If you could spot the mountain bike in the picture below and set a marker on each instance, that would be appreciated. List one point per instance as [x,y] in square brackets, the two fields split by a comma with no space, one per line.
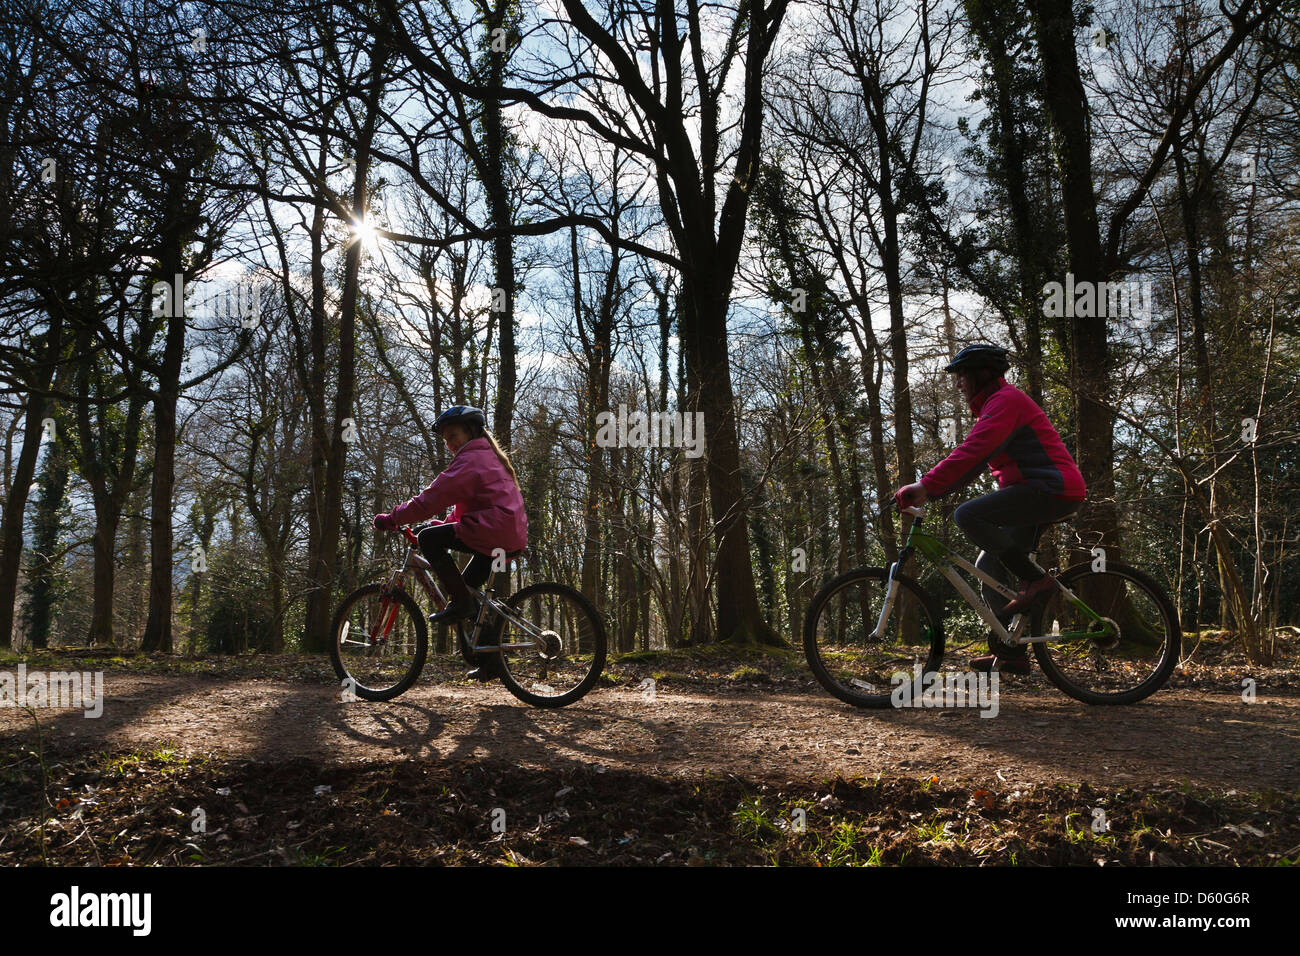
[1109,635]
[549,638]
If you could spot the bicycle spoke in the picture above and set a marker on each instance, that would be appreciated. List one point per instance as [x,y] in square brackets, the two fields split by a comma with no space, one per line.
[1119,659]
[855,654]
[552,645]
[378,642]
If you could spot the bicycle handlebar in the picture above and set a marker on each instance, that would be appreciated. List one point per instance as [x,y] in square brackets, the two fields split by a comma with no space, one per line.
[406,532]
[914,510]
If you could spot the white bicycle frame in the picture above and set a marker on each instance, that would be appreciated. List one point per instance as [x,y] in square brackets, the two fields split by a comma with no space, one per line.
[947,566]
[424,574]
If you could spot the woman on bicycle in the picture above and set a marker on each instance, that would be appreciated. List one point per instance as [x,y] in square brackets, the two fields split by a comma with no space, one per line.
[1038,482]
[481,487]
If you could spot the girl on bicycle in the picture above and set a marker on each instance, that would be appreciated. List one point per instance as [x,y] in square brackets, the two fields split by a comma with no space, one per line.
[482,489]
[1038,481]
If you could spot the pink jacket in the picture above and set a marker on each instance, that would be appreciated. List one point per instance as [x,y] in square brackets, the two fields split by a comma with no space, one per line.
[1017,442]
[487,501]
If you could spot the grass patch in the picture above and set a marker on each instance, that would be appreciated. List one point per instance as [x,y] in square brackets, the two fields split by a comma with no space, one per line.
[166,758]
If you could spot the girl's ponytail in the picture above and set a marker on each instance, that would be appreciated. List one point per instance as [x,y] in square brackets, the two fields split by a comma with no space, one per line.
[505,459]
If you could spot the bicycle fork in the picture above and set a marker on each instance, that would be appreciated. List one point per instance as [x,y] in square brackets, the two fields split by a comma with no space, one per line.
[887,608]
[387,610]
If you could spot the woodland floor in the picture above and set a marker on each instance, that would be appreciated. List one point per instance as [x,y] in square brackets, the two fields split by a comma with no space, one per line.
[739,758]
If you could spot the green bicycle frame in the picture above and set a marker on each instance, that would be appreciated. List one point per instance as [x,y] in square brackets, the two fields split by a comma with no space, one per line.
[947,562]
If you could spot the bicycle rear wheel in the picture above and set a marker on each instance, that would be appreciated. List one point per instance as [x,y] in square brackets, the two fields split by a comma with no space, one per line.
[848,660]
[1125,666]
[556,651]
[378,642]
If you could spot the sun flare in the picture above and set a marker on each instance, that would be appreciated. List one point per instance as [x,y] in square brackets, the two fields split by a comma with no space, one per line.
[363,231]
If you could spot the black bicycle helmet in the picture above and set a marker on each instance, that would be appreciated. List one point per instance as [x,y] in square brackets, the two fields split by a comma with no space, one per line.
[460,415]
[980,355]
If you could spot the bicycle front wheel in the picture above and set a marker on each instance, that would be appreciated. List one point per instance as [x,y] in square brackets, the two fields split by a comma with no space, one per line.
[1130,653]
[553,649]
[378,642]
[854,659]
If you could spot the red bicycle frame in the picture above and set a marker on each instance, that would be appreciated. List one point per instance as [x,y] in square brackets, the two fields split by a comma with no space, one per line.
[387,607]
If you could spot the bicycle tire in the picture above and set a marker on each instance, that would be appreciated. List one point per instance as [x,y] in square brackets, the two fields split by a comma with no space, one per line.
[821,601]
[412,673]
[1170,652]
[596,635]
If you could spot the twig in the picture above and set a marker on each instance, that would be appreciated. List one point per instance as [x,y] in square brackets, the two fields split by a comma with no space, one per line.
[45,780]
[85,832]
[245,859]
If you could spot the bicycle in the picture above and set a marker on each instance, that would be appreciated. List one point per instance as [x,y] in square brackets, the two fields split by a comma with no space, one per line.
[1110,635]
[550,638]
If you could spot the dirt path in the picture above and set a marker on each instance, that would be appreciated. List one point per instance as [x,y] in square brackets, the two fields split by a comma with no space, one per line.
[774,733]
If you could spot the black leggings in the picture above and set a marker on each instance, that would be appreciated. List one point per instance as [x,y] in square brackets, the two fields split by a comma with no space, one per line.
[1006,525]
[436,541]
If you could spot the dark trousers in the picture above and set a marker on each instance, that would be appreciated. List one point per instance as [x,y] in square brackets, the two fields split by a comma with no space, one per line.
[1006,525]
[436,542]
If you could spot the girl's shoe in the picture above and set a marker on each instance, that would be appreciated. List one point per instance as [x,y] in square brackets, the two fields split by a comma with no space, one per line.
[1031,592]
[458,609]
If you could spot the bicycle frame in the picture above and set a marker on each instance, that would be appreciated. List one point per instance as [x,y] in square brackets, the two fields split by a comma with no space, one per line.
[419,567]
[947,562]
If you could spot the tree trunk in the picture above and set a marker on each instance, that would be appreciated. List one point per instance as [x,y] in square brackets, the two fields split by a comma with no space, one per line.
[158,627]
[275,640]
[319,564]
[203,520]
[135,563]
[110,477]
[740,619]
[597,347]
[1090,366]
[11,542]
[329,451]
[44,573]
[496,185]
[678,584]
